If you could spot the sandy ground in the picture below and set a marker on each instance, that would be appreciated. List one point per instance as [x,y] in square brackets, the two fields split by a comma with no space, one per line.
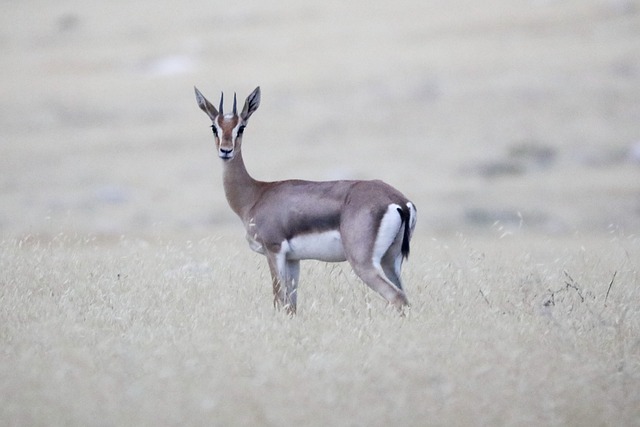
[525,113]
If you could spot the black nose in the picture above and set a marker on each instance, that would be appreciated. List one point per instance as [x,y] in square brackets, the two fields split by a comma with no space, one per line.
[225,154]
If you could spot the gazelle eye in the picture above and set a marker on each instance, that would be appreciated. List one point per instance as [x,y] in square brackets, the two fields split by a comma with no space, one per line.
[214,129]
[241,129]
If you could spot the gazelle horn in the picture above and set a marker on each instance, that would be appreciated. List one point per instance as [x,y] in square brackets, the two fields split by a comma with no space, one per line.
[235,105]
[221,103]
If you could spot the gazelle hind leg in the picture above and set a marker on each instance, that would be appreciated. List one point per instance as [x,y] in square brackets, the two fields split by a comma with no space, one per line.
[391,262]
[374,278]
[373,259]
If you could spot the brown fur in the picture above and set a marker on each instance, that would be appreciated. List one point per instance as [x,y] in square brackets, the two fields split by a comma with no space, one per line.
[275,212]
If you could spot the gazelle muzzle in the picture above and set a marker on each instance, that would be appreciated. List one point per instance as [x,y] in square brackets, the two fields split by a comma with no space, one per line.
[225,154]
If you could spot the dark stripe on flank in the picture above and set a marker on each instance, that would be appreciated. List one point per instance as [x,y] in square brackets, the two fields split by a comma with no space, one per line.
[316,225]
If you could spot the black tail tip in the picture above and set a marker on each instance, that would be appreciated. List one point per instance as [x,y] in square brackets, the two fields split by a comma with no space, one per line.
[406,217]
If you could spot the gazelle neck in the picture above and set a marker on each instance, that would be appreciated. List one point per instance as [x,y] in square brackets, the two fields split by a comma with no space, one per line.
[240,188]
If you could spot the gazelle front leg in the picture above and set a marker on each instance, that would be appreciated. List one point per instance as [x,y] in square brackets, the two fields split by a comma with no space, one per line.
[284,276]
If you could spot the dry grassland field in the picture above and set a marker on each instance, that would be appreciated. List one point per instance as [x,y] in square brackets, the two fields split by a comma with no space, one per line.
[128,294]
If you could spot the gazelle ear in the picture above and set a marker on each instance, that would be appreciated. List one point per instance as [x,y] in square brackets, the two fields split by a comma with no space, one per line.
[251,104]
[206,105]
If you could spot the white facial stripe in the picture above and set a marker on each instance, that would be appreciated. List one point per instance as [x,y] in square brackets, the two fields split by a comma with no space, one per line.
[227,145]
[217,128]
[389,227]
[234,132]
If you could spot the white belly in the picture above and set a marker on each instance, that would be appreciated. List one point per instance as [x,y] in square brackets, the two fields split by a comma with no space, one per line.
[325,246]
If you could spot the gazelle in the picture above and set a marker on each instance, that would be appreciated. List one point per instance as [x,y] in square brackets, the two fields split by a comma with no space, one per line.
[368,223]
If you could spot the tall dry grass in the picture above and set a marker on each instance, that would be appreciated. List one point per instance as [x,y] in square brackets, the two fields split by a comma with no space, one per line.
[511,331]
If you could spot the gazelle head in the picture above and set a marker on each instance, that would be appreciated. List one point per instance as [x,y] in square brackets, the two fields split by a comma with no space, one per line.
[228,128]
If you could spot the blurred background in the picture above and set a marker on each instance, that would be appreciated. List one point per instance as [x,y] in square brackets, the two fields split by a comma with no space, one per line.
[503,115]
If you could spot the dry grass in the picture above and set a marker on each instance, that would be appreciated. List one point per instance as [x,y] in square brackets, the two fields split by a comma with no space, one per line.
[512,331]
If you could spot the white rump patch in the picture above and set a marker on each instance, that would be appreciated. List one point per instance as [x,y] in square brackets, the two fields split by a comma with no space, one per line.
[325,246]
[412,215]
[388,230]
